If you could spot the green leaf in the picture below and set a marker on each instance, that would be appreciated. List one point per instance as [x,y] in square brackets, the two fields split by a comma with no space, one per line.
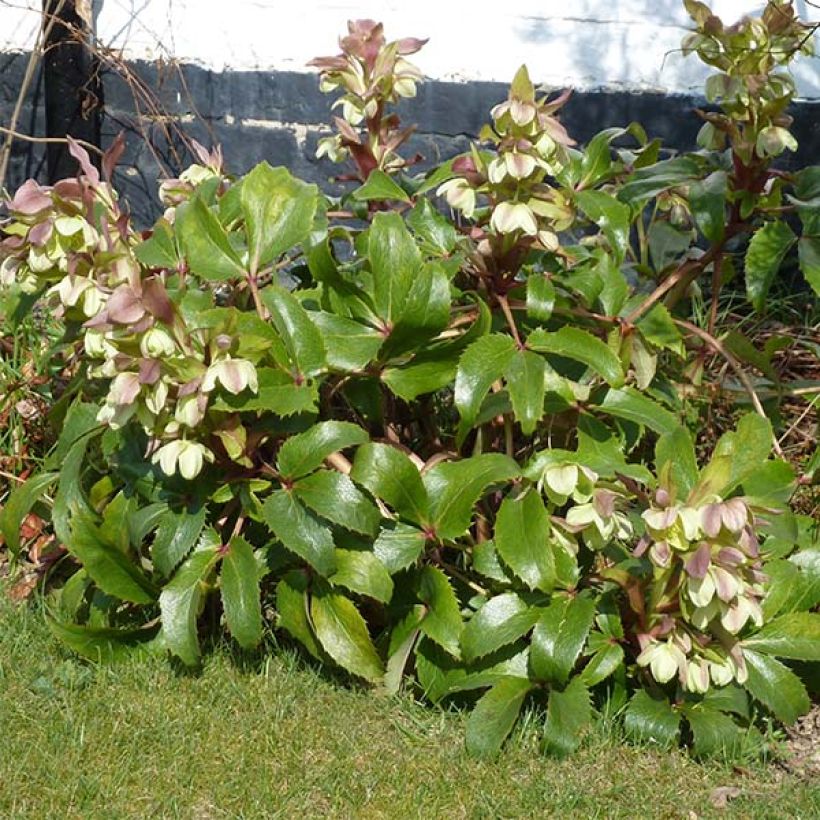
[597,158]
[399,545]
[278,210]
[350,345]
[795,635]
[808,255]
[301,337]
[765,254]
[304,452]
[522,531]
[442,620]
[708,202]
[111,570]
[240,593]
[807,591]
[300,531]
[502,620]
[19,504]
[577,344]
[182,599]
[428,372]
[568,714]
[175,537]
[278,393]
[658,328]
[602,664]
[394,261]
[750,445]
[494,716]
[651,719]
[363,573]
[540,297]
[343,634]
[380,186]
[292,605]
[403,638]
[527,388]
[559,636]
[391,476]
[632,405]
[335,497]
[104,644]
[648,182]
[454,487]
[713,732]
[776,687]
[160,249]
[611,216]
[677,449]
[667,244]
[436,233]
[481,364]
[206,246]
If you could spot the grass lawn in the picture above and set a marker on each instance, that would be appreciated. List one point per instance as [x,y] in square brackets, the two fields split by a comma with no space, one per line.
[276,738]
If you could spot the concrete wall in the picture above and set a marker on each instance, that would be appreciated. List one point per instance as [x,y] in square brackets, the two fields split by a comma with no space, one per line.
[235,73]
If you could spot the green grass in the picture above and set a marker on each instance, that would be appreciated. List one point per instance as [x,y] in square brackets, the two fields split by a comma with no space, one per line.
[275,738]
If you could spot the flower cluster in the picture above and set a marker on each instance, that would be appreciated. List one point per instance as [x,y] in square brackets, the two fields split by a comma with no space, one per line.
[530,146]
[372,74]
[707,585]
[752,89]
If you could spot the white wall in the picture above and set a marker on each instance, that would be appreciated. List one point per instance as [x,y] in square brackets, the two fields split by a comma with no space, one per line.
[586,44]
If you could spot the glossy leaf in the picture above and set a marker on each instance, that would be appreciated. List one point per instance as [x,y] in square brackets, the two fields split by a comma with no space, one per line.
[632,405]
[651,719]
[795,635]
[105,644]
[302,338]
[292,605]
[569,712]
[362,572]
[442,619]
[205,243]
[304,452]
[767,249]
[494,716]
[522,533]
[502,620]
[527,387]
[398,545]
[776,687]
[559,636]
[240,593]
[574,343]
[610,215]
[379,186]
[335,497]
[394,261]
[176,535]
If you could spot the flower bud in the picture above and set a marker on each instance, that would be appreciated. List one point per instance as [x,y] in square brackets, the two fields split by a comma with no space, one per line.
[157,343]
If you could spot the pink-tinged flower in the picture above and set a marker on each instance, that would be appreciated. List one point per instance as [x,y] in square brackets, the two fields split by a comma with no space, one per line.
[509,217]
[732,514]
[124,388]
[116,415]
[185,456]
[156,398]
[697,676]
[157,343]
[459,195]
[721,673]
[701,590]
[233,374]
[735,616]
[190,409]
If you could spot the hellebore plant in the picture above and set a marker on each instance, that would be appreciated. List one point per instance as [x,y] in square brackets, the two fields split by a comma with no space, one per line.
[455,455]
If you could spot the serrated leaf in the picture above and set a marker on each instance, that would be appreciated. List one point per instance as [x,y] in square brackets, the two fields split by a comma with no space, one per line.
[707,199]
[437,234]
[398,545]
[602,664]
[205,244]
[481,364]
[776,687]
[19,504]
[394,261]
[677,450]
[795,635]
[390,475]
[335,497]
[658,328]
[278,210]
[767,249]
[667,244]
[350,345]
[240,593]
[160,249]
[111,570]
[527,388]
[302,338]
[343,634]
[648,182]
[713,732]
[403,639]
[651,719]
[494,716]
[540,297]
[574,343]
[454,487]
[502,620]
[522,531]
[380,186]
[300,531]
[610,215]
[568,714]
[304,452]
[442,621]
[632,405]
[105,644]
[424,374]
[559,636]
[176,535]
[362,572]
[181,603]
[292,605]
